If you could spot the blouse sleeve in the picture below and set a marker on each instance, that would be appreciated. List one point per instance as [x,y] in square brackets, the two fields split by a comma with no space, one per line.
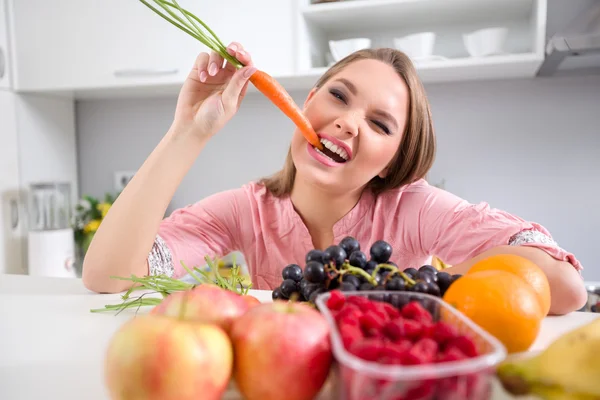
[207,227]
[456,230]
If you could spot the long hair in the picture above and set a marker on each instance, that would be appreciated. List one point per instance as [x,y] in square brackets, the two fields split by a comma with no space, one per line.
[416,152]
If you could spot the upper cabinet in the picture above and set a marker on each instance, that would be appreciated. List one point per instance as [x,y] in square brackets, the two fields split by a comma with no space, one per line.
[446,40]
[5,70]
[101,47]
[89,46]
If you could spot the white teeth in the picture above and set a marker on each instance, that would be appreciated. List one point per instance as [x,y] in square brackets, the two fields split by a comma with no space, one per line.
[335,149]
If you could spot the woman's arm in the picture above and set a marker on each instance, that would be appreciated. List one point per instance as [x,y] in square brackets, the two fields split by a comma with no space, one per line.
[461,233]
[208,99]
[121,245]
[566,286]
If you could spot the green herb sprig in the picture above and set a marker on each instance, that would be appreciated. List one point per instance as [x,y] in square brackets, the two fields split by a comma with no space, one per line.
[164,285]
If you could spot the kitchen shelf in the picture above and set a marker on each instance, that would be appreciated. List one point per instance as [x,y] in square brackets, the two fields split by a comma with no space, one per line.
[382,21]
[377,14]
[302,43]
[460,69]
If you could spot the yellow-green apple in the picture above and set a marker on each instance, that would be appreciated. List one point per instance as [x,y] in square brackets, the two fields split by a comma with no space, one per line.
[204,303]
[281,350]
[155,357]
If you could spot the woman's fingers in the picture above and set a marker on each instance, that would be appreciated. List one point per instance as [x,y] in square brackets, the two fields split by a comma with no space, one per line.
[202,66]
[235,88]
[236,50]
[215,63]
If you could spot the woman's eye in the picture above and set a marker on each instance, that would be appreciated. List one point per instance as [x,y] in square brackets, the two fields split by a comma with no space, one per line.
[337,94]
[382,127]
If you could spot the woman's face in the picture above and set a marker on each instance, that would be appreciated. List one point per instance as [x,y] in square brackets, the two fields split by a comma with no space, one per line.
[359,114]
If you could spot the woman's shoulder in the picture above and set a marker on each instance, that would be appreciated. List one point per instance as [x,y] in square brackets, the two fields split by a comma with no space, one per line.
[418,191]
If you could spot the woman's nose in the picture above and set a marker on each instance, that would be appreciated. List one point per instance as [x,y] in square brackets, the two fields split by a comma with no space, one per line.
[347,124]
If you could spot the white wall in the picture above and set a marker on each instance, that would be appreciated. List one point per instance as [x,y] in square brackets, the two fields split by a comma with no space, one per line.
[527,146]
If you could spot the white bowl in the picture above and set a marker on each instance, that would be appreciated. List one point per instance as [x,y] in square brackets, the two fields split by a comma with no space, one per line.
[342,48]
[417,45]
[485,42]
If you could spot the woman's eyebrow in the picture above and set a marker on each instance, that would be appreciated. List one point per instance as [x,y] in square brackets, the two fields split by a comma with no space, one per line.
[348,84]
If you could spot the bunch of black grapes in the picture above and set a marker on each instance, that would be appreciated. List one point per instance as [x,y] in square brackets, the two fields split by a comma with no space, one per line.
[346,267]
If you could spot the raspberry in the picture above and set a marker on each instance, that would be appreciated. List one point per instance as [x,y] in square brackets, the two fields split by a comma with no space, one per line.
[371,321]
[360,301]
[368,349]
[402,328]
[348,312]
[391,311]
[350,334]
[452,388]
[451,354]
[464,344]
[414,310]
[422,352]
[336,300]
[380,312]
[442,332]
[395,351]
[423,390]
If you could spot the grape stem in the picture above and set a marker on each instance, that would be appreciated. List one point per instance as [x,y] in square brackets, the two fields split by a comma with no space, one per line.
[358,271]
[394,269]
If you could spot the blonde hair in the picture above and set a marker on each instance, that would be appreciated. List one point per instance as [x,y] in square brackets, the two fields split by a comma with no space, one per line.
[416,151]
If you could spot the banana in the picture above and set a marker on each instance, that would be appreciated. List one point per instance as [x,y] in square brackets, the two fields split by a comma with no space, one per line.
[568,369]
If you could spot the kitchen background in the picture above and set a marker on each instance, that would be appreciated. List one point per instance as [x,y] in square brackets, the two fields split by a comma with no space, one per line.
[524,143]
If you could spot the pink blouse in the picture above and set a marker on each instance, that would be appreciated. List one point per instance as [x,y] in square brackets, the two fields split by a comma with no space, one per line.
[418,220]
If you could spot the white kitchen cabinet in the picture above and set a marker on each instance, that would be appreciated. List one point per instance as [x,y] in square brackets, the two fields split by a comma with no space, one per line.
[37,144]
[383,21]
[86,46]
[5,70]
[11,225]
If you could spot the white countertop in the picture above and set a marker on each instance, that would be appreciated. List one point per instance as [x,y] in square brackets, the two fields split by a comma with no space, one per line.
[52,346]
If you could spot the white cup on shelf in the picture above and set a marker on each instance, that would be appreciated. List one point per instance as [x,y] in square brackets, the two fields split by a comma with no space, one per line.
[342,48]
[416,46]
[486,42]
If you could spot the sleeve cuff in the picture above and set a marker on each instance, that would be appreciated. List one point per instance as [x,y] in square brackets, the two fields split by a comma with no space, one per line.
[535,238]
[160,259]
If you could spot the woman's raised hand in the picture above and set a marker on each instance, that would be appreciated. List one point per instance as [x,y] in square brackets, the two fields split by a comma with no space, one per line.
[212,93]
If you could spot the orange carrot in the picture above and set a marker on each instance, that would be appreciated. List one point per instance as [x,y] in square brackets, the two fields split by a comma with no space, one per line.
[281,98]
[266,84]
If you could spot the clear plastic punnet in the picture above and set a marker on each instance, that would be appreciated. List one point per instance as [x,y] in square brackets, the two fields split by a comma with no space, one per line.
[469,379]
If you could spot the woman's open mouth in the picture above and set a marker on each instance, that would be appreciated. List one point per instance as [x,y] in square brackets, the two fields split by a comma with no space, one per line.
[331,155]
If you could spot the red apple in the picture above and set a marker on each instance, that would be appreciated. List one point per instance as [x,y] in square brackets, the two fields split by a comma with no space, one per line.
[251,300]
[281,351]
[204,303]
[155,357]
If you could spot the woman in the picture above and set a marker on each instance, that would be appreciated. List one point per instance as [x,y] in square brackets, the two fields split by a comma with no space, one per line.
[373,117]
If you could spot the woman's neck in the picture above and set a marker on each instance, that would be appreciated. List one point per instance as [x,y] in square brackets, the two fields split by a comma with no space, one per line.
[320,210]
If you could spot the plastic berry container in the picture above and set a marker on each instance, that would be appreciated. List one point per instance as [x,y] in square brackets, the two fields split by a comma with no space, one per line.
[467,379]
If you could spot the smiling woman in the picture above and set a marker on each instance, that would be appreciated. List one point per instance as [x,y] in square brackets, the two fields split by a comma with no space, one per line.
[371,115]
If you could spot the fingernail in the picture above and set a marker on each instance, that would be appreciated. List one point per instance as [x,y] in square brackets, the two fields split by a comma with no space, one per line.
[233,47]
[248,73]
[202,76]
[212,69]
[242,53]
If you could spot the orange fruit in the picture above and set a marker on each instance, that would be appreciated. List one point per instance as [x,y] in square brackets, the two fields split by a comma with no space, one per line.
[522,267]
[501,303]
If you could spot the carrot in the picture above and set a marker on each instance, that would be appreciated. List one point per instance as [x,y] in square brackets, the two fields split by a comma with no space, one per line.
[278,96]
[266,84]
